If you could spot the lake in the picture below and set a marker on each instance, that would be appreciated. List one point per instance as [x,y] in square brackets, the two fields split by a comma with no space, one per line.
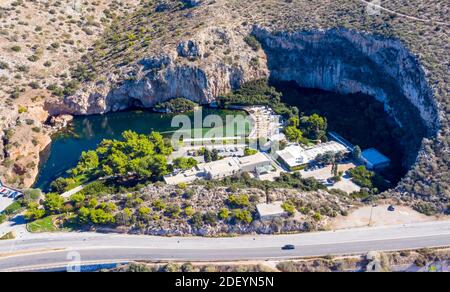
[88,131]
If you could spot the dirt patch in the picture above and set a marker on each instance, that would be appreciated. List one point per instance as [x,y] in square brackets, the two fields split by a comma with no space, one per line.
[379,216]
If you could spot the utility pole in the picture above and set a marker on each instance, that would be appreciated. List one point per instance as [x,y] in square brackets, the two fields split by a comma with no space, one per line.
[370,218]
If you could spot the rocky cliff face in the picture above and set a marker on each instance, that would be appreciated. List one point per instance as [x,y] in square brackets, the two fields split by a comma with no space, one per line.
[213,62]
[337,60]
[349,62]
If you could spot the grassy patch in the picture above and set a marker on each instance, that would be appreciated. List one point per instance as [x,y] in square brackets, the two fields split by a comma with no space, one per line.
[13,208]
[42,225]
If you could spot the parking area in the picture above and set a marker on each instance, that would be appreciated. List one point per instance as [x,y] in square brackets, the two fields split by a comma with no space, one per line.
[224,150]
[7,197]
[323,174]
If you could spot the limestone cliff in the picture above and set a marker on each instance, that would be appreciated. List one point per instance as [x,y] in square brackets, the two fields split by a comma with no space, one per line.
[190,70]
[349,62]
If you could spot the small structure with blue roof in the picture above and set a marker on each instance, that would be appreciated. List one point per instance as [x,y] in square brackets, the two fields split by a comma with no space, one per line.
[373,159]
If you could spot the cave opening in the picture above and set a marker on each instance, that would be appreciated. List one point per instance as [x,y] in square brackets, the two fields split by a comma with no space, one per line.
[372,91]
[359,118]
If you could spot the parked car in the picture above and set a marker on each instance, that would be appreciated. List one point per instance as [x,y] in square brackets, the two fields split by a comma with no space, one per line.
[391,208]
[288,247]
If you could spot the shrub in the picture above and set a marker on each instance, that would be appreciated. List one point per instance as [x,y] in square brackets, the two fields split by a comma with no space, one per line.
[210,218]
[243,216]
[252,42]
[238,201]
[16,48]
[289,208]
[189,211]
[173,211]
[224,213]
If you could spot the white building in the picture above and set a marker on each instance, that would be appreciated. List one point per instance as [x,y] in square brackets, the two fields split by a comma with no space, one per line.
[270,211]
[295,155]
[373,159]
[220,169]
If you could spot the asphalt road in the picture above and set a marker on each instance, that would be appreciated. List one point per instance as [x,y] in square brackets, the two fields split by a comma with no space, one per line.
[43,251]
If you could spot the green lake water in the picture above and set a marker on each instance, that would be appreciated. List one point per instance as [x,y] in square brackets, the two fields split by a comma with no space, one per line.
[89,131]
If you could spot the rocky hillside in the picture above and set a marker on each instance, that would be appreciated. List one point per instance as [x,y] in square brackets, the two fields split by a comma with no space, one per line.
[39,42]
[200,49]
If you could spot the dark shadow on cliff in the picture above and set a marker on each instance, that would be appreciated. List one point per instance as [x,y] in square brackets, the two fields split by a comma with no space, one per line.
[377,95]
[359,118]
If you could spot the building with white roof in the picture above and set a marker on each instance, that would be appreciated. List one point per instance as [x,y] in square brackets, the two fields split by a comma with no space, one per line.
[270,211]
[295,155]
[373,159]
[220,169]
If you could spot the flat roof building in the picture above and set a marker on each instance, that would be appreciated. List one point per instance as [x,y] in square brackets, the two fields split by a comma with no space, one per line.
[270,211]
[221,168]
[373,159]
[295,155]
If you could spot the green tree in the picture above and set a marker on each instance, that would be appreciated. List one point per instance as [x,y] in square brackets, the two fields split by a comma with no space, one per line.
[34,212]
[293,134]
[184,163]
[89,161]
[60,185]
[78,198]
[238,201]
[84,215]
[243,216]
[314,126]
[99,216]
[53,203]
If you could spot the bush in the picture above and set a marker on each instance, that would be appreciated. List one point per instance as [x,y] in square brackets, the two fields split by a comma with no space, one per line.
[243,216]
[196,220]
[252,42]
[210,218]
[99,216]
[173,211]
[239,201]
[16,49]
[32,194]
[224,213]
[289,208]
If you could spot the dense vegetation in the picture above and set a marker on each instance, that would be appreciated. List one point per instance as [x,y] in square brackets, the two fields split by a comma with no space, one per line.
[312,127]
[257,92]
[367,179]
[176,106]
[136,157]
